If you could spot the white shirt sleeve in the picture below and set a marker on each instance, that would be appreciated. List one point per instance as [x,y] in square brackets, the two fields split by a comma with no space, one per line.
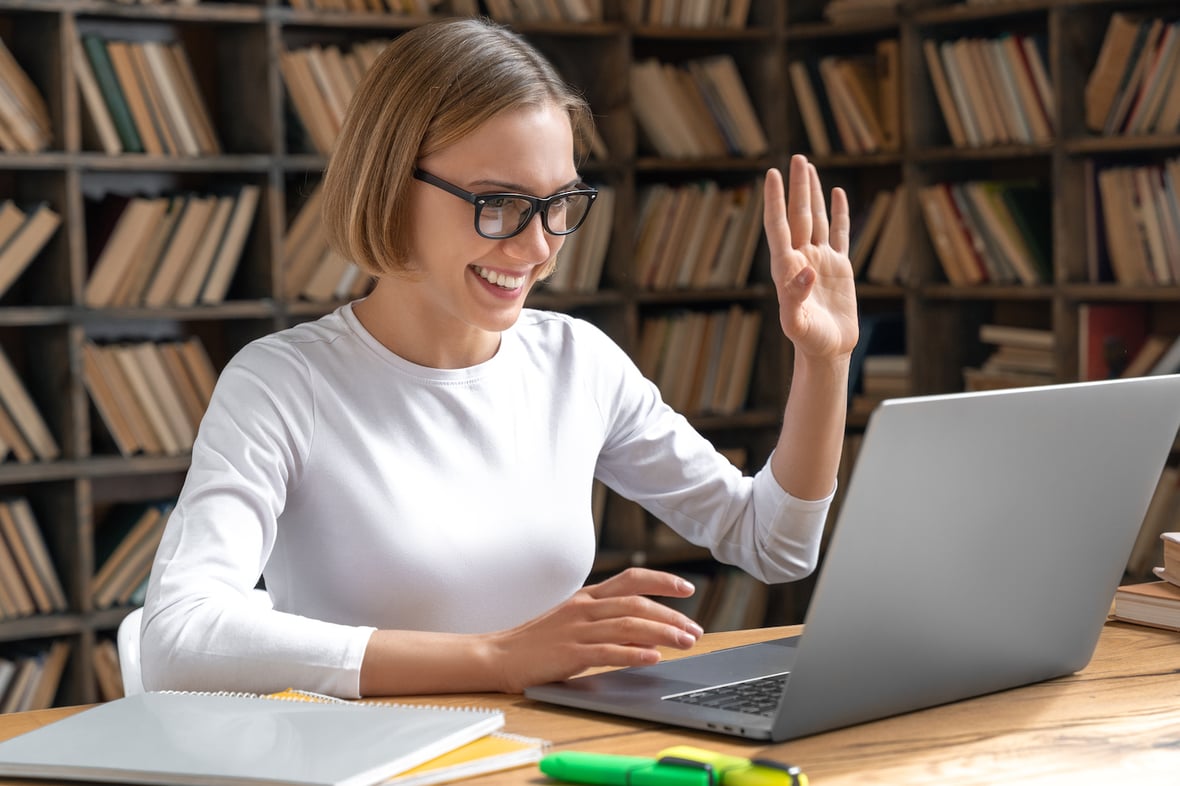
[655,457]
[200,631]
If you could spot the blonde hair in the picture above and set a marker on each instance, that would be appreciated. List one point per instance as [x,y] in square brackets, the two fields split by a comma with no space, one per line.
[429,88]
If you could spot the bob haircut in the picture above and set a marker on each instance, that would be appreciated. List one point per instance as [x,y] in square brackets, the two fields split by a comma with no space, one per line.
[429,88]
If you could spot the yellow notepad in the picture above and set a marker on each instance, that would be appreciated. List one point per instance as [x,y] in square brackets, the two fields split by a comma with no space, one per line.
[497,751]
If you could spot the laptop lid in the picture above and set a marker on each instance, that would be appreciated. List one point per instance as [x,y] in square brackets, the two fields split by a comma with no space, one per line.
[977,548]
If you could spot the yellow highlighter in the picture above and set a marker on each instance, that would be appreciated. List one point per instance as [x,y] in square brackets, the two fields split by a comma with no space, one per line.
[738,771]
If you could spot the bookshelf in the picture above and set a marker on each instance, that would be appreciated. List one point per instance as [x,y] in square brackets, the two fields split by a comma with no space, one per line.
[236,50]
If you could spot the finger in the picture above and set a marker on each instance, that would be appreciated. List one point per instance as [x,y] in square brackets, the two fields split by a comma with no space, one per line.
[620,655]
[774,212]
[642,581]
[841,222]
[799,201]
[637,631]
[819,210]
[638,607]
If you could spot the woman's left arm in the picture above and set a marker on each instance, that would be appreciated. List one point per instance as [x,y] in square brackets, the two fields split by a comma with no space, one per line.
[817,309]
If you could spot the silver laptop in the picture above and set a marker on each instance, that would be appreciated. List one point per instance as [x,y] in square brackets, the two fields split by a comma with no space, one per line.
[978,548]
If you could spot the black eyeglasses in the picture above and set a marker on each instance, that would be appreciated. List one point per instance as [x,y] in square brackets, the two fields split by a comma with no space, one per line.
[500,216]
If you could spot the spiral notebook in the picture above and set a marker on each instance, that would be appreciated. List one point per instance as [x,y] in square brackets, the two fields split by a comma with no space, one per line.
[177,739]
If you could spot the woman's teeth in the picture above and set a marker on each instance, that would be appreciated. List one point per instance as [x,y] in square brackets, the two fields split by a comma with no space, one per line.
[499,279]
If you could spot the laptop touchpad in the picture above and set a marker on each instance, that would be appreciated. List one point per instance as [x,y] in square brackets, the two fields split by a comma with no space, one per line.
[730,665]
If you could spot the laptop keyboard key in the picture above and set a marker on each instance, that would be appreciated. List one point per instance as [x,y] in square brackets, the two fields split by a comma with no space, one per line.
[758,696]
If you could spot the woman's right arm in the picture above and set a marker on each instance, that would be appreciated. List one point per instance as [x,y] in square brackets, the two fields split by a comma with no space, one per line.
[612,623]
[200,630]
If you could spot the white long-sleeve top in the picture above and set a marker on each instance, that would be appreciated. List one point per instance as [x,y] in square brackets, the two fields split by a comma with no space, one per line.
[375,493]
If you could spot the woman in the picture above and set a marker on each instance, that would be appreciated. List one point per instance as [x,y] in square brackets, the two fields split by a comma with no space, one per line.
[412,473]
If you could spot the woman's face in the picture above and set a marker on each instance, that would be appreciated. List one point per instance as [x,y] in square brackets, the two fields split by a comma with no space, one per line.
[464,279]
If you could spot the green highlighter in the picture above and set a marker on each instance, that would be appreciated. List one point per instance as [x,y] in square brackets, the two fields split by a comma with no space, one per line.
[680,766]
[601,769]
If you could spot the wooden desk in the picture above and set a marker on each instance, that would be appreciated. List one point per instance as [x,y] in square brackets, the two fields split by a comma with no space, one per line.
[1115,722]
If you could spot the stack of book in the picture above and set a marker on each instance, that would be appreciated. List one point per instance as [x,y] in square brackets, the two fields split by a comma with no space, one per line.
[880,250]
[696,109]
[1154,603]
[698,235]
[852,100]
[150,395]
[992,91]
[124,549]
[1022,356]
[176,250]
[24,434]
[22,236]
[545,10]
[1131,90]
[1139,210]
[25,125]
[581,259]
[143,97]
[29,583]
[989,231]
[882,376]
[312,270]
[701,360]
[29,680]
[688,13]
[321,80]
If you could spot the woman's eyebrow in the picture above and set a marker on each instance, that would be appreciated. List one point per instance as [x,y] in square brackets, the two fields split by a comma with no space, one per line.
[521,189]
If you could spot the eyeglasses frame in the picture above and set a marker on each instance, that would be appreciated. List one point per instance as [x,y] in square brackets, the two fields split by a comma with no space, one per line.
[536,204]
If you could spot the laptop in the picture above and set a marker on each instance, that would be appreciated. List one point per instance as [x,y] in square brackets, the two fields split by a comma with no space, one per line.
[978,547]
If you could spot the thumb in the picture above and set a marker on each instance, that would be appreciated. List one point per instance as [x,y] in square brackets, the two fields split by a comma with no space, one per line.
[800,286]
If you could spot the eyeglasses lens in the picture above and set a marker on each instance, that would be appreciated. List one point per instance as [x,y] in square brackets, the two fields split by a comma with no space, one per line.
[506,217]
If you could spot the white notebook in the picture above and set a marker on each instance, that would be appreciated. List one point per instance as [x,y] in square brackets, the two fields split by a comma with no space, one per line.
[173,739]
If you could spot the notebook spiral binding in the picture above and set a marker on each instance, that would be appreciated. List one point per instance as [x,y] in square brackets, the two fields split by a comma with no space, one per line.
[300,695]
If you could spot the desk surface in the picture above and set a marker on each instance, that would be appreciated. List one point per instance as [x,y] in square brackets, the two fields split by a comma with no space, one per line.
[1115,722]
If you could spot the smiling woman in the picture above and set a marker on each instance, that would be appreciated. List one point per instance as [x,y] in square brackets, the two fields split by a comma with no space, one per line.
[412,473]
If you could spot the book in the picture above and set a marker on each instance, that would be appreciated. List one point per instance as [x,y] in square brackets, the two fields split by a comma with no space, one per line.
[1170,570]
[221,272]
[94,49]
[218,738]
[23,247]
[24,412]
[496,752]
[124,548]
[129,235]
[119,54]
[1123,34]
[1109,335]
[809,108]
[25,543]
[24,114]
[1155,603]
[16,599]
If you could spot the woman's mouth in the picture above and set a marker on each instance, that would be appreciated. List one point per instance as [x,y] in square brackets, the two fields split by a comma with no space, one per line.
[501,280]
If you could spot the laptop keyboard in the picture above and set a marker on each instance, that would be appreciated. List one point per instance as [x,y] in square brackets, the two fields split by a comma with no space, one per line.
[758,696]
